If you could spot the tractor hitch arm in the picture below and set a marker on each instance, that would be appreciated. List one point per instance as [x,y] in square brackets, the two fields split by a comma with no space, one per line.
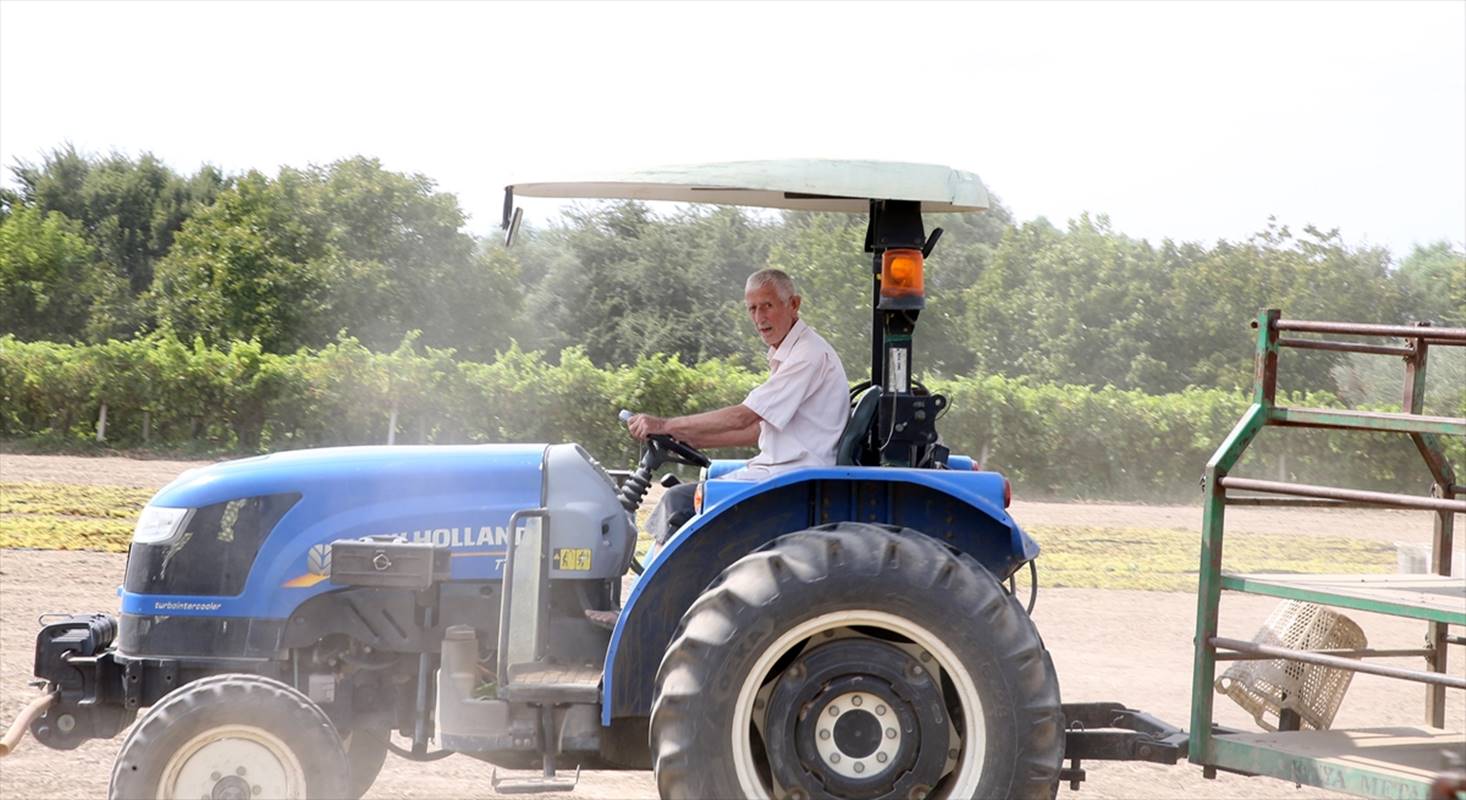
[1112,732]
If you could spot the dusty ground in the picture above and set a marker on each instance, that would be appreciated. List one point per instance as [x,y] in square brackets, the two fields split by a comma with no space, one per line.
[1133,647]
[106,470]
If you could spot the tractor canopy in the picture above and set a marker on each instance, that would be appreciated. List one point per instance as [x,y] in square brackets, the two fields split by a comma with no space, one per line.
[796,184]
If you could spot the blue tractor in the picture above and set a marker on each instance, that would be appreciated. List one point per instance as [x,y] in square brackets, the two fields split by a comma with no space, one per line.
[829,632]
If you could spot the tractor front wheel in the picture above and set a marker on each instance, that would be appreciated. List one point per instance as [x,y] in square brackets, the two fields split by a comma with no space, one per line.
[856,661]
[237,737]
[366,752]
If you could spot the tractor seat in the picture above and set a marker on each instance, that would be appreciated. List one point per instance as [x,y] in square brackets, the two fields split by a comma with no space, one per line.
[862,414]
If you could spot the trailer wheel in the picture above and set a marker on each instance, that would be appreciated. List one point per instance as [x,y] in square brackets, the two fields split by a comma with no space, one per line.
[232,736]
[366,752]
[856,661]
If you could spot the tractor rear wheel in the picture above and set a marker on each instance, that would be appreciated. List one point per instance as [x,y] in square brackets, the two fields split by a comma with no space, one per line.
[235,736]
[856,661]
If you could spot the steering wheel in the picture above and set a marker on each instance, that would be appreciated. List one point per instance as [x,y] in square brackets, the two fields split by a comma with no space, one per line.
[663,448]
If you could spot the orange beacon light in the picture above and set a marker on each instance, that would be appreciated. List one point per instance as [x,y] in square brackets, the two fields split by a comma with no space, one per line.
[901,274]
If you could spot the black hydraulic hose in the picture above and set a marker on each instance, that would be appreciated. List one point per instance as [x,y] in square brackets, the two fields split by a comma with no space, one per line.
[1032,585]
[437,755]
[634,490]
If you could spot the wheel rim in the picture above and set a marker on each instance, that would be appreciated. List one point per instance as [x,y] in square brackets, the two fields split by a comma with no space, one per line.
[233,762]
[848,711]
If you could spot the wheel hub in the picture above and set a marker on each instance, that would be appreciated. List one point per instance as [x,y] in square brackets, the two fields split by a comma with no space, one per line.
[235,762]
[231,787]
[857,735]
[864,721]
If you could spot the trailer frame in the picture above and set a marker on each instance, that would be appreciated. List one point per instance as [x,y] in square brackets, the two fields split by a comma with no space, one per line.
[1388,762]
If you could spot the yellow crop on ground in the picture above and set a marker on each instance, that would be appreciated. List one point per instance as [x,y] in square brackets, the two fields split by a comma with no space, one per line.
[1167,560]
[63,516]
[55,532]
[55,516]
[113,502]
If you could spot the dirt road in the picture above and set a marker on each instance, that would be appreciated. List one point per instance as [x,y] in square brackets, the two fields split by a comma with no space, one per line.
[1133,647]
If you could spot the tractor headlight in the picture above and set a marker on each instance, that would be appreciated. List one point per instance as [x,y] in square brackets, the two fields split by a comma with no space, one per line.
[158,524]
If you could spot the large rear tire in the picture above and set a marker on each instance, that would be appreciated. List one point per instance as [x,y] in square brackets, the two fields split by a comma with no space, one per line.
[856,661]
[238,737]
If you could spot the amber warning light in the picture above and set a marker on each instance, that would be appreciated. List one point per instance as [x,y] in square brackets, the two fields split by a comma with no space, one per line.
[901,274]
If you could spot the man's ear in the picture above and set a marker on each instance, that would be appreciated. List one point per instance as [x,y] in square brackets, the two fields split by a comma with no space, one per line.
[794,303]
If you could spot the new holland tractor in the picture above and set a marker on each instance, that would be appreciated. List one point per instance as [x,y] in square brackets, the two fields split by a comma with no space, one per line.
[839,631]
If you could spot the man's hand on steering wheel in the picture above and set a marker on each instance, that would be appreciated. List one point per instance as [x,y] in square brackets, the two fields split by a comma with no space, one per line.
[653,431]
[644,425]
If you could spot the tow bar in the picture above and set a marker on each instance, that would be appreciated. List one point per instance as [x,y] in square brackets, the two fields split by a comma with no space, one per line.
[1112,732]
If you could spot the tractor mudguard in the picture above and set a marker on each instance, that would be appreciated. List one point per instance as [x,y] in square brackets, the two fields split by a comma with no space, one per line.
[962,508]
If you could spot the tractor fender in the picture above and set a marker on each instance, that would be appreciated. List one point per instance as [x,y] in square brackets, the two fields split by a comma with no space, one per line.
[963,509]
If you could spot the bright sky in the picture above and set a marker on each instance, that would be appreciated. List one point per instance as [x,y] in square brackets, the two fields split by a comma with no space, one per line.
[1189,120]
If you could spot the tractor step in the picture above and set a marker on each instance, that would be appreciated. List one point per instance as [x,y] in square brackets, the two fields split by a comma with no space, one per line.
[553,683]
[537,784]
[603,619]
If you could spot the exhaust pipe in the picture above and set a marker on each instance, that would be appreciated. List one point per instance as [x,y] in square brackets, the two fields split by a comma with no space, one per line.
[17,729]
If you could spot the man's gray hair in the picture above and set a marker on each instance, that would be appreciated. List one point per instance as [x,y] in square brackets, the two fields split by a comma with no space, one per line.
[778,278]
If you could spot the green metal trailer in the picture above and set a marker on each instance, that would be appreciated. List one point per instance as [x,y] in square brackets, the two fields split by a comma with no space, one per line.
[1385,762]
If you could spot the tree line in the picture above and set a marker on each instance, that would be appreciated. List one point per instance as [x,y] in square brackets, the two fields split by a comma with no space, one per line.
[1051,441]
[99,248]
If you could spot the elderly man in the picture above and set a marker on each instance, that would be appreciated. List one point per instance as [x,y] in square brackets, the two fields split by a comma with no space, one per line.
[796,416]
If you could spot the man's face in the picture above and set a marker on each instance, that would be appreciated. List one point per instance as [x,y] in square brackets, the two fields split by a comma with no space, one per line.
[772,317]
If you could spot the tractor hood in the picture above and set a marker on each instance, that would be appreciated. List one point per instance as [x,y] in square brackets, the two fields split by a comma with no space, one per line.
[796,184]
[253,536]
[363,474]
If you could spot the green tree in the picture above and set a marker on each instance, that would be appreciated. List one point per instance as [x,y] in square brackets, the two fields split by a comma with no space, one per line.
[294,260]
[49,278]
[128,209]
[965,250]
[623,283]
[824,254]
[1216,292]
[254,265]
[1090,306]
[1433,278]
[424,272]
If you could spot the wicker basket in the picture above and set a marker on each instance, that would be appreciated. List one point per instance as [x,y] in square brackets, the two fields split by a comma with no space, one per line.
[1313,692]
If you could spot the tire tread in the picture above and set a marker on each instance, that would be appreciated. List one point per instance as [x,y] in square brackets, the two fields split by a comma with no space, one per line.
[754,582]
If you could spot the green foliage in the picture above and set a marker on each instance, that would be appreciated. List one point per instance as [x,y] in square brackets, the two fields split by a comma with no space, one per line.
[1050,440]
[254,313]
[48,283]
[99,248]
[293,260]
[824,254]
[621,283]
[1093,307]
[1434,282]
[128,210]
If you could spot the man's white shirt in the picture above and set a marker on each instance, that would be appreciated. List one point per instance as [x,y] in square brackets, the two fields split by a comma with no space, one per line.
[804,405]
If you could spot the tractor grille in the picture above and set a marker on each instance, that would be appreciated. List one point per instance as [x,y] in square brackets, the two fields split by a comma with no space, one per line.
[213,553]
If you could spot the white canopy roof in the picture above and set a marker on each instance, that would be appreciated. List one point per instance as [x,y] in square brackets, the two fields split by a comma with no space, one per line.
[804,184]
